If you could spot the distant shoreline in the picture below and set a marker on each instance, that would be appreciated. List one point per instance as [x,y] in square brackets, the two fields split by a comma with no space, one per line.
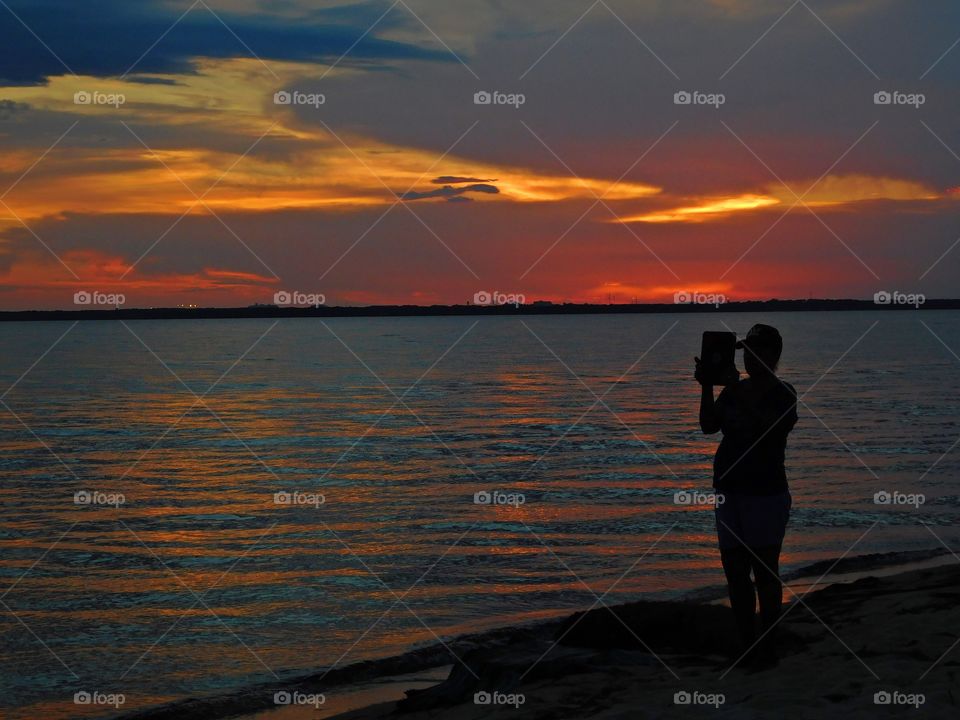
[269,311]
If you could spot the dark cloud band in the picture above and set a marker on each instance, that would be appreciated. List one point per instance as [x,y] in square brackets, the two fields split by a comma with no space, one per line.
[108,37]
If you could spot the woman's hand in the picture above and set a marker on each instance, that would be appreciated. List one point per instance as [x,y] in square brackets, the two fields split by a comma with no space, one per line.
[699,374]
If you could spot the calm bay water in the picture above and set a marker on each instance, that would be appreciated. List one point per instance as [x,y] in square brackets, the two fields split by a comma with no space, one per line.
[201,582]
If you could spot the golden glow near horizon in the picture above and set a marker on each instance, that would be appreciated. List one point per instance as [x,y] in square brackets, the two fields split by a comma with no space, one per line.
[626,292]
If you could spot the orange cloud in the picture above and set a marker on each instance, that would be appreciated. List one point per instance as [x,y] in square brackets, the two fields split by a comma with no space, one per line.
[830,192]
[708,207]
[98,271]
[845,189]
[326,175]
[341,171]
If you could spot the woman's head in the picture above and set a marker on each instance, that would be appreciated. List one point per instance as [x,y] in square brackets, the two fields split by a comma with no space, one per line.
[762,348]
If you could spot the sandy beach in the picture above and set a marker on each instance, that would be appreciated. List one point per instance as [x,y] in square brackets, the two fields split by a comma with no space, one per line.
[873,638]
[843,645]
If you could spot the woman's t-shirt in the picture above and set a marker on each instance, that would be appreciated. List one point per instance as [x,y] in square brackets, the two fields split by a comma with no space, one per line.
[755,421]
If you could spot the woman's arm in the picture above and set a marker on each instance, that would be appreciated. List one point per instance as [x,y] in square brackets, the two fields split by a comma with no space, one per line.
[709,417]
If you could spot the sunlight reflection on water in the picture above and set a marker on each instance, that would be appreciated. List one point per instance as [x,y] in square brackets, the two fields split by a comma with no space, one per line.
[200,581]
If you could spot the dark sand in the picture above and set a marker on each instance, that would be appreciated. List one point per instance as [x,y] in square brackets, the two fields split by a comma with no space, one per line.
[873,630]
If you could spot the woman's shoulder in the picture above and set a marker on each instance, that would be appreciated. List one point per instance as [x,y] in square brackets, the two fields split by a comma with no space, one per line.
[734,388]
[732,394]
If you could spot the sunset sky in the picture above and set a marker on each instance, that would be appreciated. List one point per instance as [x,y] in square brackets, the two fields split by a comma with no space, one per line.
[399,188]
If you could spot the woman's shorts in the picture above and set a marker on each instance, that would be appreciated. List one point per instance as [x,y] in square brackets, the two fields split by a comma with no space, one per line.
[752,520]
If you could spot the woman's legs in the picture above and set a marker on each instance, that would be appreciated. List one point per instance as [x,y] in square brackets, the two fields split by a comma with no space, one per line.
[765,564]
[766,570]
[750,531]
[736,566]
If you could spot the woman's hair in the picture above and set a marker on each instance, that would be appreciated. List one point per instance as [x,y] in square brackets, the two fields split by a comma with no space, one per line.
[766,343]
[769,357]
[772,358]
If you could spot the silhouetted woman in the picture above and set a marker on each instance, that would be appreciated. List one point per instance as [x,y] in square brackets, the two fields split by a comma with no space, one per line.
[755,416]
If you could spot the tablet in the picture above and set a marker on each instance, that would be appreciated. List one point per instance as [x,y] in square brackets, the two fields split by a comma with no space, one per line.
[717,358]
